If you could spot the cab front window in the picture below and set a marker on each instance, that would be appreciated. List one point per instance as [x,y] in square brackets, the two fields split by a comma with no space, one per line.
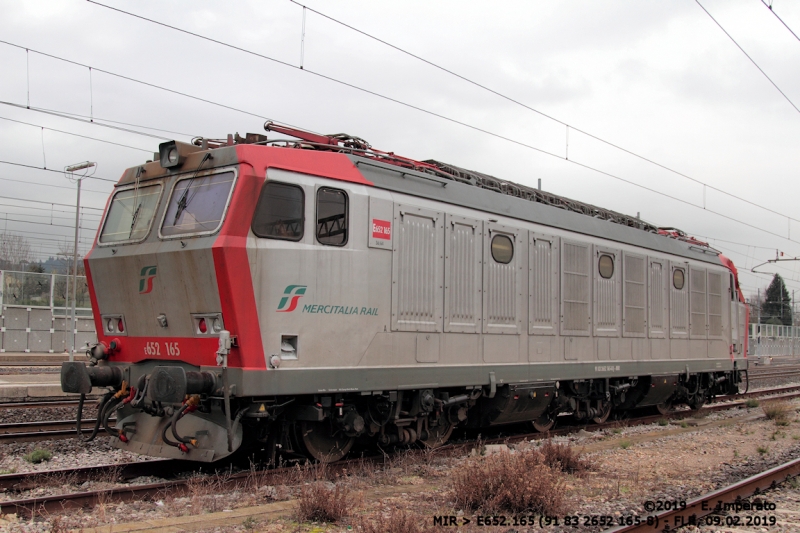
[197,205]
[130,215]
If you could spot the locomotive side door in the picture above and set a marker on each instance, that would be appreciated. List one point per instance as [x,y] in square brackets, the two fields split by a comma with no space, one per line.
[736,341]
[504,259]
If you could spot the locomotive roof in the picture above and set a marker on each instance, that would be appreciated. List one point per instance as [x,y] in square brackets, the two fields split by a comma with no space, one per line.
[446,183]
[390,177]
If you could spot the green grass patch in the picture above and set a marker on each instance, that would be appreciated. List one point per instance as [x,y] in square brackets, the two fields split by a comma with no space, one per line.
[38,455]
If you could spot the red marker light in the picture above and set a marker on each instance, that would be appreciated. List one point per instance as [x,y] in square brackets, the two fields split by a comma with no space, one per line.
[202,325]
[120,326]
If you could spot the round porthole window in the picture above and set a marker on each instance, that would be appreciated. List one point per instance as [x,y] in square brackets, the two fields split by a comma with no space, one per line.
[502,249]
[677,279]
[606,266]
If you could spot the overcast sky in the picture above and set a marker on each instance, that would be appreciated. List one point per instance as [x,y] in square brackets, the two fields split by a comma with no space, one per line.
[659,79]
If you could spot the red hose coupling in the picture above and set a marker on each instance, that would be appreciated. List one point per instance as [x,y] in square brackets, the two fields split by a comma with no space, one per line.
[122,437]
[130,396]
[182,447]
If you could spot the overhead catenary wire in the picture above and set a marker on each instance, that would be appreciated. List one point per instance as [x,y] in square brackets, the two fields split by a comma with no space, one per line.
[748,56]
[72,116]
[28,182]
[141,82]
[48,203]
[26,207]
[76,134]
[769,6]
[432,113]
[67,239]
[40,215]
[438,115]
[525,106]
[58,241]
[759,274]
[53,170]
[734,242]
[82,228]
[79,115]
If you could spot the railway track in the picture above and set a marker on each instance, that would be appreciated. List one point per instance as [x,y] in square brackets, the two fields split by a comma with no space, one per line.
[230,480]
[37,431]
[773,375]
[39,404]
[61,429]
[705,505]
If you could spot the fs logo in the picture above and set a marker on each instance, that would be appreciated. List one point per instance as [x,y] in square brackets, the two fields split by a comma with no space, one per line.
[146,279]
[291,294]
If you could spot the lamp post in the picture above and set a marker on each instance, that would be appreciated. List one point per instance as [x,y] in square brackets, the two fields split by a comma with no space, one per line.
[71,170]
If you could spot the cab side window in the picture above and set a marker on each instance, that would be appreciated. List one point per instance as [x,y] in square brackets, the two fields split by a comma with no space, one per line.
[279,212]
[331,216]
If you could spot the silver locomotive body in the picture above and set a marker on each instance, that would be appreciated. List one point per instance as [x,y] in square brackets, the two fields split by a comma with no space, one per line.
[303,299]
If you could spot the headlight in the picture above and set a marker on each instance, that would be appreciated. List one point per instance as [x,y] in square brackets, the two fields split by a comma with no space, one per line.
[173,153]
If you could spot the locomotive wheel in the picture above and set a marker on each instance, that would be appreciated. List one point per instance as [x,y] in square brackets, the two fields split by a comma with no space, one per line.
[697,403]
[321,444]
[665,408]
[606,406]
[544,423]
[438,435]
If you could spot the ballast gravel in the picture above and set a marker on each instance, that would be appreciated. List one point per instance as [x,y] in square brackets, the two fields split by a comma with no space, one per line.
[669,462]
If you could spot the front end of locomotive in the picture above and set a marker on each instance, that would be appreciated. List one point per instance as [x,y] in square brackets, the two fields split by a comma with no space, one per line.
[173,305]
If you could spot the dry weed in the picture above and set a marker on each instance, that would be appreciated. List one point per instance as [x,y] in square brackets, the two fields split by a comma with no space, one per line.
[319,501]
[516,482]
[564,458]
[777,411]
[396,521]
[205,491]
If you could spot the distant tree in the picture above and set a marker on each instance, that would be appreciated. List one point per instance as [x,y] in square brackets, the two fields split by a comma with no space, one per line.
[777,303]
[14,250]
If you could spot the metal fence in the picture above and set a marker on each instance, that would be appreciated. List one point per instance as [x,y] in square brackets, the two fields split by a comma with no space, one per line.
[37,312]
[771,339]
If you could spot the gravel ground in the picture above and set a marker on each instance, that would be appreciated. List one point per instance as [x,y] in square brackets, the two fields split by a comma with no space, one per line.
[632,465]
[13,370]
[42,414]
[66,453]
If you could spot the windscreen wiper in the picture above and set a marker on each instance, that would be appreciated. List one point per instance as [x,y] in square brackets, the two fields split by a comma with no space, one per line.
[133,219]
[183,201]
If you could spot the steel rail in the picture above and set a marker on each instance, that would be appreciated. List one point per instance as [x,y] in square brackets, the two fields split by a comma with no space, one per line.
[39,404]
[708,503]
[37,431]
[54,364]
[18,482]
[29,507]
[49,504]
[773,375]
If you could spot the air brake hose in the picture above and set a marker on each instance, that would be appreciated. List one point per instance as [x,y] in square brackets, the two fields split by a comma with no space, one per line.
[97,422]
[111,407]
[106,414]
[164,435]
[186,408]
[180,445]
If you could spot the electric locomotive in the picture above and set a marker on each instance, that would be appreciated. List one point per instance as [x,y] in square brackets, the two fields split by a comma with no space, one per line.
[304,293]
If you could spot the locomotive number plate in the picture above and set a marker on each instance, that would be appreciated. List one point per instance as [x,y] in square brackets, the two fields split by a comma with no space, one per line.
[153,348]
